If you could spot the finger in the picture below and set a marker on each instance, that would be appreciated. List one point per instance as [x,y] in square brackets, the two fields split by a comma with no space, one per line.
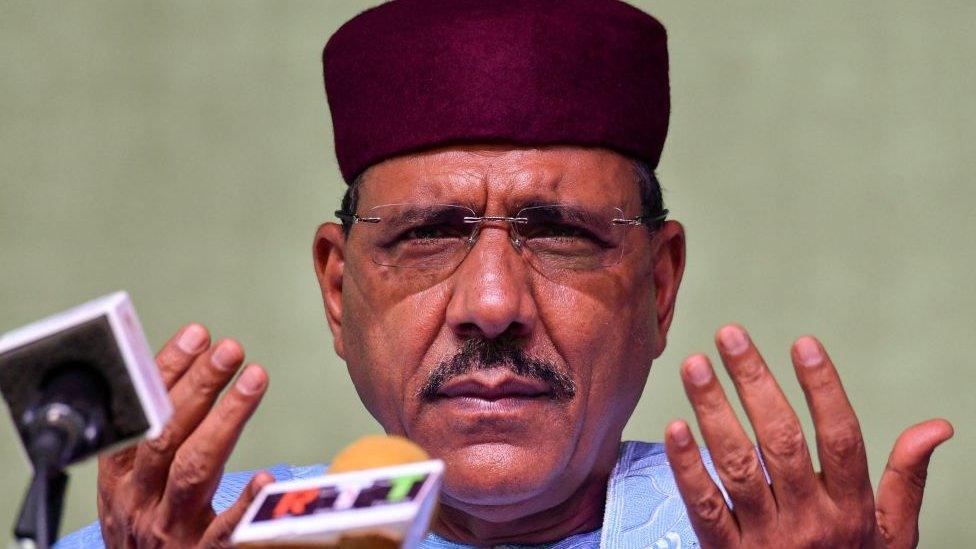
[903,481]
[732,452]
[219,531]
[193,397]
[840,444]
[179,352]
[707,511]
[112,468]
[784,448]
[114,465]
[197,466]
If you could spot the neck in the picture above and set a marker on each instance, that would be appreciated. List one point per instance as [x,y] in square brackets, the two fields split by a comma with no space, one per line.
[581,512]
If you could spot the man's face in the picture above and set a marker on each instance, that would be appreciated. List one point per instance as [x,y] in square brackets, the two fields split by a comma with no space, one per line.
[521,379]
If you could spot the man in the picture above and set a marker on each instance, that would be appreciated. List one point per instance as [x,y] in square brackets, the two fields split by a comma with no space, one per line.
[502,279]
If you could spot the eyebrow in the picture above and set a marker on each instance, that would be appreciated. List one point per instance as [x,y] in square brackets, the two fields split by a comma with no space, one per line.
[429,213]
[576,213]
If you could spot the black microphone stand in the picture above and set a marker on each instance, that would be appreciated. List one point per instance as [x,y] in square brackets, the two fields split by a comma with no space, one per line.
[67,422]
[40,513]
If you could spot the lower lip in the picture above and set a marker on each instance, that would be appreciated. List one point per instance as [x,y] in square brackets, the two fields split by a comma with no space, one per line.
[495,406]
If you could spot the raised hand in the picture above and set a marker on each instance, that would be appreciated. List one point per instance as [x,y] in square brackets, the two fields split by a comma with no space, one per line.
[158,493]
[798,507]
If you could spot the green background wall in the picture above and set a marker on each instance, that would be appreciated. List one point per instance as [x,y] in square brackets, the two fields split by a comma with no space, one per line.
[821,156]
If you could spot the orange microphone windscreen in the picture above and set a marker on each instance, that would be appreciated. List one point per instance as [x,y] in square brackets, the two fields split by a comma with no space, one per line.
[377,451]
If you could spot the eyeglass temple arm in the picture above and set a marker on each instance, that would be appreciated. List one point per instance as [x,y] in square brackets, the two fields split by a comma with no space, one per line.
[642,219]
[349,216]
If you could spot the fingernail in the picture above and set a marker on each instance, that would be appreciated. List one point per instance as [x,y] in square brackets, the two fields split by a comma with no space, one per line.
[680,435]
[192,339]
[699,373]
[251,381]
[734,339]
[224,356]
[256,486]
[808,352]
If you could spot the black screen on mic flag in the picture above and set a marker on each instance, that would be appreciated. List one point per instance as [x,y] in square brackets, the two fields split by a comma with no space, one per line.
[91,345]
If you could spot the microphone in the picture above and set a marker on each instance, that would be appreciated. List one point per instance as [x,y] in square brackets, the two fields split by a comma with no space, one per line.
[374,451]
[379,492]
[76,384]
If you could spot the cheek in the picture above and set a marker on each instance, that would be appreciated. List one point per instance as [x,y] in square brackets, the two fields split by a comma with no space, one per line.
[388,335]
[602,319]
[605,331]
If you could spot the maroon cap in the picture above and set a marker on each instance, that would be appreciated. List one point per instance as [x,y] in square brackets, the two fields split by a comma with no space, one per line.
[415,74]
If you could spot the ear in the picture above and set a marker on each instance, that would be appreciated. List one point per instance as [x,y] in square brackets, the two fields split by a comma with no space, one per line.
[668,267]
[328,252]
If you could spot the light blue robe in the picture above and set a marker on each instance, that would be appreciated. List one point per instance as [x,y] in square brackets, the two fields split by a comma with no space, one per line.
[644,509]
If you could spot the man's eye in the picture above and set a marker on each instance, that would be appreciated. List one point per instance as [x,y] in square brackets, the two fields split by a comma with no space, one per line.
[557,231]
[428,232]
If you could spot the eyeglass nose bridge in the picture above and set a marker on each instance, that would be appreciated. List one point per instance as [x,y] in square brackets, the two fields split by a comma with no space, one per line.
[513,235]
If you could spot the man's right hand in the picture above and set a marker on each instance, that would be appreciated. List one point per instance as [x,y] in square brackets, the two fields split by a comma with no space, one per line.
[158,493]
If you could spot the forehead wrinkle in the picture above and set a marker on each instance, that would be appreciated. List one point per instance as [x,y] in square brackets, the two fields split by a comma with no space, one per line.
[487,179]
[466,187]
[512,185]
[441,182]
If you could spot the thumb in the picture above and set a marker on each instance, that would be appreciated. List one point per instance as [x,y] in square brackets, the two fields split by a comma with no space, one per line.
[219,531]
[903,481]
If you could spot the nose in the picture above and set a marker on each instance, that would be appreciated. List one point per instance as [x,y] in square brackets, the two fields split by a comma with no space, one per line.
[491,296]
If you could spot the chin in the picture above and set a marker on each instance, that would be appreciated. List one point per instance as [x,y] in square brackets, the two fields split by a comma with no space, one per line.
[501,481]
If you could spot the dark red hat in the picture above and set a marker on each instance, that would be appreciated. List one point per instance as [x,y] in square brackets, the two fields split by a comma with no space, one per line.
[414,74]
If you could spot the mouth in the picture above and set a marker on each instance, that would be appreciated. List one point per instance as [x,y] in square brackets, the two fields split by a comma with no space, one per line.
[493,393]
[493,386]
[493,404]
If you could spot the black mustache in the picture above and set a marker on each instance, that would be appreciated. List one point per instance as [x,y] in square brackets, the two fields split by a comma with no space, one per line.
[485,354]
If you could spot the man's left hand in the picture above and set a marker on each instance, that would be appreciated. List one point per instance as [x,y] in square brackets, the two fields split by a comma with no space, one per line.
[797,506]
